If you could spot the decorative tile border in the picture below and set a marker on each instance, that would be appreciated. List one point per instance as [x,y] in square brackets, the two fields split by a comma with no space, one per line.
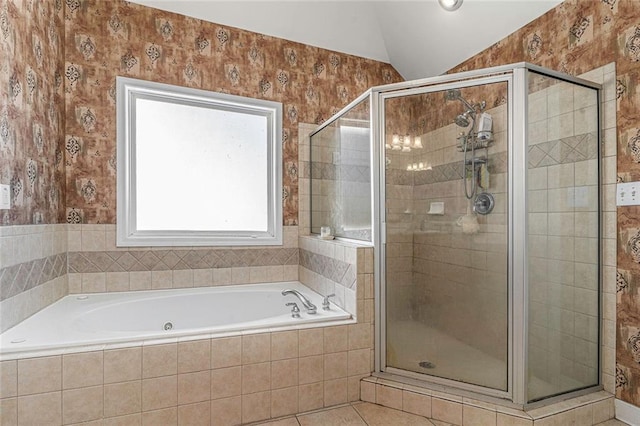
[165,260]
[21,277]
[333,269]
[566,150]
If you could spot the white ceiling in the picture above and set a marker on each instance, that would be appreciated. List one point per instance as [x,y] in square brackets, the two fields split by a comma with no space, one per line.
[417,37]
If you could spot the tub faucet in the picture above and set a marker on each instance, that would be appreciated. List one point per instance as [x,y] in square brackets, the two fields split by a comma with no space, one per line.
[310,307]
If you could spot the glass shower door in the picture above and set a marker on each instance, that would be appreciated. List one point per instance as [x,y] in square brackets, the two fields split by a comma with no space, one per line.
[446,284]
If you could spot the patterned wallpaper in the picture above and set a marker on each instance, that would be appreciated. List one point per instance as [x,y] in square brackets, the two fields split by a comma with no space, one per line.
[32,110]
[109,38]
[575,37]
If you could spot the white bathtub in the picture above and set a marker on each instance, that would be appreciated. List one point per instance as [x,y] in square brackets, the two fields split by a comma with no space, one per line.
[81,321]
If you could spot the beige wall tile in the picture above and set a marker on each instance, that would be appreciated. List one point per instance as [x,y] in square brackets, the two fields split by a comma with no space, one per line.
[368,392]
[284,345]
[40,409]
[310,396]
[166,416]
[360,336]
[310,342]
[8,379]
[256,406]
[335,365]
[94,282]
[160,392]
[256,377]
[8,411]
[336,339]
[507,420]
[161,279]
[603,410]
[140,280]
[121,365]
[117,281]
[82,405]
[284,401]
[389,396]
[226,382]
[159,360]
[194,387]
[310,369]
[129,420]
[82,369]
[335,392]
[226,352]
[122,398]
[194,356]
[475,416]
[226,411]
[416,403]
[447,411]
[353,388]
[39,375]
[256,348]
[198,414]
[202,278]
[359,362]
[284,373]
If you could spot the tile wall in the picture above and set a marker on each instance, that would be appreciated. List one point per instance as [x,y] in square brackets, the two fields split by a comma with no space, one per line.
[33,270]
[97,265]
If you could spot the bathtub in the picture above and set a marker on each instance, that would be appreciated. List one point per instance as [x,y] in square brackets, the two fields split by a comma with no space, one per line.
[80,322]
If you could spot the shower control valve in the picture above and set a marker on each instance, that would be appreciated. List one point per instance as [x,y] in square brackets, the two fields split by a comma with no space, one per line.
[295,311]
[325,302]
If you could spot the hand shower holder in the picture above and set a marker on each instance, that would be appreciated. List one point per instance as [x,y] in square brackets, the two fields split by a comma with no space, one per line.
[465,142]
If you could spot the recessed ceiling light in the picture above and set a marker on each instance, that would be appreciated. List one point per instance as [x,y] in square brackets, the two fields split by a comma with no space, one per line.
[450,5]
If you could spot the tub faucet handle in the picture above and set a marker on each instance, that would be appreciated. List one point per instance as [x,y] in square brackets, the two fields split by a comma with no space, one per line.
[295,311]
[325,302]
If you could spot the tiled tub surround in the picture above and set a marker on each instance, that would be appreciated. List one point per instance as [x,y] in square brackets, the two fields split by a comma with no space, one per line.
[97,265]
[33,270]
[224,381]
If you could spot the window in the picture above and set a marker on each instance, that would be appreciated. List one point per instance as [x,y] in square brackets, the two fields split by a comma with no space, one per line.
[197,167]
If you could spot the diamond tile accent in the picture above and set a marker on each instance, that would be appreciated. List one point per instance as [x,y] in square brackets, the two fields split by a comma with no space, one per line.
[18,278]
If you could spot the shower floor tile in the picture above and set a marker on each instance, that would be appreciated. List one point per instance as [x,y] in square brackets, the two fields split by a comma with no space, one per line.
[367,414]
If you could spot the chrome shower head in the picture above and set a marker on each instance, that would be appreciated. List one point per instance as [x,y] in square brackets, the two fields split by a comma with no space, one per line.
[462,120]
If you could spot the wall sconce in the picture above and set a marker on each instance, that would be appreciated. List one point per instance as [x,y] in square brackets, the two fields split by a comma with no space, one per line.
[395,143]
[404,143]
[418,167]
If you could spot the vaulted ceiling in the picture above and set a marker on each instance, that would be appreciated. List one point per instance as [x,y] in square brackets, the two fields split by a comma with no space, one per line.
[417,37]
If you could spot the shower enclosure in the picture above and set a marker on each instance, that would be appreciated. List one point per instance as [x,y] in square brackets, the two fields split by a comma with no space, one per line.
[485,207]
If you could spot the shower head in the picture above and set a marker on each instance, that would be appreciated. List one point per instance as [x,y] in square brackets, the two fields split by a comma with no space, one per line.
[462,120]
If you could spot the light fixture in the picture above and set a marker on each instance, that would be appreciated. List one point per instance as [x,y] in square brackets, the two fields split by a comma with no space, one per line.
[417,142]
[450,5]
[395,143]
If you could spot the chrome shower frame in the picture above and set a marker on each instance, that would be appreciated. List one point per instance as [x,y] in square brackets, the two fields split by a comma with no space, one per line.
[516,78]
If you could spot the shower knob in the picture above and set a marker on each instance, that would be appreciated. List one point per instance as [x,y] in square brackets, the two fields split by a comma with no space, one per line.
[483,204]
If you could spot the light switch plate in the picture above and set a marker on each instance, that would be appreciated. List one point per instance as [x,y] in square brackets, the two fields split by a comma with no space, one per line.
[5,197]
[628,194]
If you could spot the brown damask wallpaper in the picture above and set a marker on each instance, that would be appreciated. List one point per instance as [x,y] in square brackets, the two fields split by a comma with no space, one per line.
[32,110]
[575,37]
[109,38]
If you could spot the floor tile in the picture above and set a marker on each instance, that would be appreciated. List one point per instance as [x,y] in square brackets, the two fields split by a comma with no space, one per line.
[343,416]
[376,415]
[612,422]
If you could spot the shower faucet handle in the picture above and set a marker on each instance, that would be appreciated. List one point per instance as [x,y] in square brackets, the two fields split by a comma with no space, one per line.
[325,302]
[295,311]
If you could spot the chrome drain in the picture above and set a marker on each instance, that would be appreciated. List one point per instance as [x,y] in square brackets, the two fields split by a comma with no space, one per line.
[168,326]
[426,364]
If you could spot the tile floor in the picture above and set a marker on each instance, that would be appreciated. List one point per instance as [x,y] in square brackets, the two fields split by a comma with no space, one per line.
[364,413]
